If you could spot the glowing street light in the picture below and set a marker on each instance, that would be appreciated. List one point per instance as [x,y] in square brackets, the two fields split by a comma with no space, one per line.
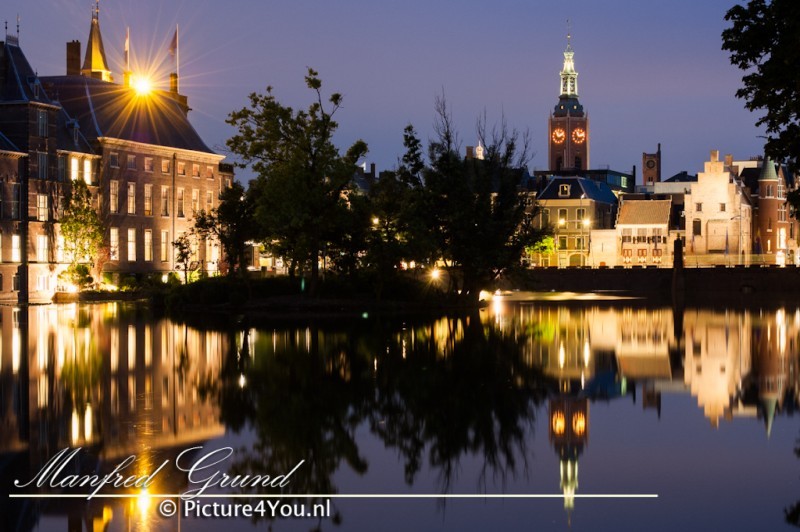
[436,274]
[142,85]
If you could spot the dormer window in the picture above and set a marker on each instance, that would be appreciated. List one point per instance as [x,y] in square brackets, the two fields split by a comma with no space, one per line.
[563,190]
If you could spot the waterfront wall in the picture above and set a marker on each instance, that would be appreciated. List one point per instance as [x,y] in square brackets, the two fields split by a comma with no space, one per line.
[699,284]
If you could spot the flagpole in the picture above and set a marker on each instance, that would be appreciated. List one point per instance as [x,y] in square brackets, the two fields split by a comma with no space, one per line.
[177,52]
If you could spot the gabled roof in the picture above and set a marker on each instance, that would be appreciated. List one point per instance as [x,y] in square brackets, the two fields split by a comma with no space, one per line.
[105,109]
[579,187]
[644,212]
[21,82]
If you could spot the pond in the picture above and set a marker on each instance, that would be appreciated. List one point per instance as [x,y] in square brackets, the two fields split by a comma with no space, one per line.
[569,413]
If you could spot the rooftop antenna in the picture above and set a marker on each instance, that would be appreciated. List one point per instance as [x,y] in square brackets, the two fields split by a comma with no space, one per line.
[569,33]
[18,26]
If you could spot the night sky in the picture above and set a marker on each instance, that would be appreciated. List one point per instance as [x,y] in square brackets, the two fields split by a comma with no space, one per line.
[649,72]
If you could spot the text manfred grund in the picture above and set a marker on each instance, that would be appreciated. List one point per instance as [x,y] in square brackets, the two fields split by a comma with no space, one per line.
[202,474]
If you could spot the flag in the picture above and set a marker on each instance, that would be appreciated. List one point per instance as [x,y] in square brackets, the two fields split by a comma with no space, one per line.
[173,45]
[128,49]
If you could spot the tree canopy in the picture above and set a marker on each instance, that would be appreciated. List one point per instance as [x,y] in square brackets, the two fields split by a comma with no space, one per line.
[764,42]
[81,226]
[301,176]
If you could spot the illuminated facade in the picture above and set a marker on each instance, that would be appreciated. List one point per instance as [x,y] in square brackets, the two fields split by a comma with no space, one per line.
[568,132]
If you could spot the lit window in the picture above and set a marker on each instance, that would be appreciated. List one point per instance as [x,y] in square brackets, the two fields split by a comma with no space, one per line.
[148,200]
[195,200]
[131,198]
[41,207]
[41,248]
[87,171]
[181,168]
[74,167]
[113,243]
[164,166]
[164,201]
[148,164]
[195,170]
[148,244]
[131,162]
[563,190]
[15,248]
[113,196]
[210,172]
[131,245]
[164,246]
[180,203]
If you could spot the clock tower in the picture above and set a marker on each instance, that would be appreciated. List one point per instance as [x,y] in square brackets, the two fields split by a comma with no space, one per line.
[568,135]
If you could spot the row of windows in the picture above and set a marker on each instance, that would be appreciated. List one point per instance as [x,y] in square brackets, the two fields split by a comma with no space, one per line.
[113,198]
[79,167]
[131,163]
[165,244]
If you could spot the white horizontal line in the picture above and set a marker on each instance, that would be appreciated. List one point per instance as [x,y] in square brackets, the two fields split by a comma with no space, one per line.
[343,496]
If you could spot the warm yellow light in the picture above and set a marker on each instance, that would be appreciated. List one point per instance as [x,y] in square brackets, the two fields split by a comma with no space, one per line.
[435,274]
[579,424]
[141,85]
[558,423]
[562,221]
[376,221]
[587,222]
[143,501]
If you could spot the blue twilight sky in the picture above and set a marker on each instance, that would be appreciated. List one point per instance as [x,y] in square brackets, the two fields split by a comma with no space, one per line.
[649,72]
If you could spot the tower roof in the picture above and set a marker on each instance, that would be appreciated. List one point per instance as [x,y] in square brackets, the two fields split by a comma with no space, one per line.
[568,104]
[768,171]
[95,64]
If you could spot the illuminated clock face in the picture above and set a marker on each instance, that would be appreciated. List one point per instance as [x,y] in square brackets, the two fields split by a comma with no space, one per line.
[559,136]
[579,136]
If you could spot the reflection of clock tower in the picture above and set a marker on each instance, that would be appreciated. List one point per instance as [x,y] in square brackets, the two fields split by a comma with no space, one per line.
[569,125]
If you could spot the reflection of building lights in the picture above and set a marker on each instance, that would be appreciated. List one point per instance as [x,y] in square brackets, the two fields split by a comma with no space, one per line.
[87,423]
[497,305]
[562,356]
[579,423]
[242,380]
[76,427]
[143,501]
[587,352]
[558,423]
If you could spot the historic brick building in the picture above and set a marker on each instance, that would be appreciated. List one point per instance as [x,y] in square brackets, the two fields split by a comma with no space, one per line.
[149,169]
[569,125]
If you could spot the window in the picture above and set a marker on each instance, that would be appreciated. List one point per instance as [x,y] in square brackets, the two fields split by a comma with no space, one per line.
[579,242]
[164,201]
[131,162]
[641,252]
[60,249]
[15,248]
[42,160]
[563,190]
[131,198]
[545,217]
[15,201]
[148,164]
[74,167]
[113,196]
[658,237]
[42,123]
[148,244]
[782,214]
[87,171]
[210,201]
[148,200]
[131,245]
[41,248]
[780,189]
[180,203]
[195,200]
[181,168]
[698,207]
[164,166]
[562,216]
[195,170]
[581,216]
[722,207]
[41,207]
[697,227]
[627,235]
[641,236]
[209,172]
[562,242]
[113,159]
[62,167]
[113,243]
[164,246]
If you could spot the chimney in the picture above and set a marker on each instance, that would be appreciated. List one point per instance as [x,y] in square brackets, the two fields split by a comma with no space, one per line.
[470,152]
[714,156]
[729,160]
[74,58]
[173,83]
[372,170]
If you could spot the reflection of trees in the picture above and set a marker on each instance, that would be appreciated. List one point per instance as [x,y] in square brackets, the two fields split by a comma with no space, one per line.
[477,399]
[793,512]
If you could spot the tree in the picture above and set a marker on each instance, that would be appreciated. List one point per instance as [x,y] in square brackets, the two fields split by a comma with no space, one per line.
[478,210]
[300,174]
[764,42]
[183,254]
[232,223]
[81,226]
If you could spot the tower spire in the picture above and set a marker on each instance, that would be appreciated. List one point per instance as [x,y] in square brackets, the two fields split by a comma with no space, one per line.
[569,77]
[95,64]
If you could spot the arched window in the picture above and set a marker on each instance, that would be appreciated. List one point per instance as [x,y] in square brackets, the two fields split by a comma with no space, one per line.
[697,227]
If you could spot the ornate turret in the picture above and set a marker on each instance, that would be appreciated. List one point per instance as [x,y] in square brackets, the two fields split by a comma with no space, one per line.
[569,125]
[95,64]
[773,226]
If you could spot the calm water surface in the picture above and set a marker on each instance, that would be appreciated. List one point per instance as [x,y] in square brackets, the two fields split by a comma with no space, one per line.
[564,400]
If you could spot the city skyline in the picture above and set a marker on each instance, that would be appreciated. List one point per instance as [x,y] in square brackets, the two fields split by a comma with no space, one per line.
[648,74]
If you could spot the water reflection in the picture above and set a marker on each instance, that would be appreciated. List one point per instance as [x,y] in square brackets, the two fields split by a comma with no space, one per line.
[116,380]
